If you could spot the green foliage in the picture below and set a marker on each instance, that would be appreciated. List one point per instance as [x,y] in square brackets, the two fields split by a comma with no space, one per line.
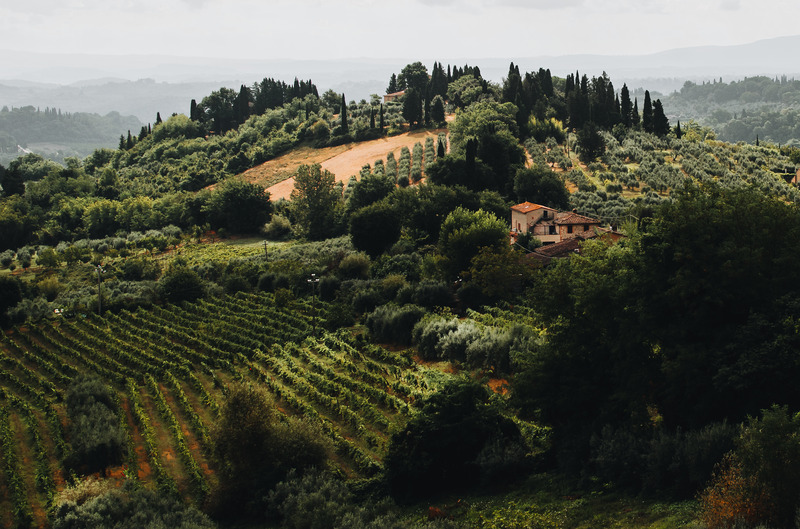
[464,233]
[96,437]
[494,127]
[769,452]
[255,449]
[181,284]
[375,228]
[678,463]
[444,448]
[128,508]
[591,143]
[541,185]
[238,206]
[392,323]
[315,202]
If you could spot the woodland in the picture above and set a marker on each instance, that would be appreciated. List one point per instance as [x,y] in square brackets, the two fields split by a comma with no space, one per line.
[179,350]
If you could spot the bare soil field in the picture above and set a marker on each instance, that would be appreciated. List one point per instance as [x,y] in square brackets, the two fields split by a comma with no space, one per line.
[343,161]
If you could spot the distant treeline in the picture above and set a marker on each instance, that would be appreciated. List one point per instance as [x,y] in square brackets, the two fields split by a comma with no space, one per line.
[28,124]
[755,108]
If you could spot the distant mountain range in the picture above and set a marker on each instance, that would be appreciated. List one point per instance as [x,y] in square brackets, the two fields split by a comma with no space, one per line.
[144,85]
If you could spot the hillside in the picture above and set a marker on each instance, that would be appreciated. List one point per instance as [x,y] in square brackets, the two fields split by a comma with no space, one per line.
[343,161]
[376,354]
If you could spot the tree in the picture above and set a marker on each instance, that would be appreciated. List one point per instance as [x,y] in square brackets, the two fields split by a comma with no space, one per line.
[625,106]
[494,127]
[371,188]
[315,201]
[218,107]
[590,142]
[678,131]
[412,107]
[437,110]
[413,76]
[11,289]
[345,126]
[181,284]
[375,228]
[255,448]
[239,206]
[392,88]
[647,113]
[542,186]
[464,233]
[439,449]
[660,121]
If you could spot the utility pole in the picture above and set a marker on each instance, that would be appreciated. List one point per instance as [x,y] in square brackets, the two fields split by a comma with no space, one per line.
[313,281]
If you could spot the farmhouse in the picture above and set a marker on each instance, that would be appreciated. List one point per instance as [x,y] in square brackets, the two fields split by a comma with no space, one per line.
[394,95]
[549,225]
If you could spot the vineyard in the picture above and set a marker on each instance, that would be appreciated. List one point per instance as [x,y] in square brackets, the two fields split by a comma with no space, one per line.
[169,368]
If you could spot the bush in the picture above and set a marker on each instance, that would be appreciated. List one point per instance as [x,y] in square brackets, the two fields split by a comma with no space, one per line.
[321,500]
[128,508]
[428,334]
[255,447]
[447,447]
[277,229]
[676,463]
[95,434]
[181,284]
[354,266]
[393,323]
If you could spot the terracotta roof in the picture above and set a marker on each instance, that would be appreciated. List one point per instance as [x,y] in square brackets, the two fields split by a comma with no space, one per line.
[401,92]
[559,250]
[527,207]
[569,217]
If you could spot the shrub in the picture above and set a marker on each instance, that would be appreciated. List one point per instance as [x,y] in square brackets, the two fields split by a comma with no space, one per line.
[428,333]
[354,266]
[277,229]
[321,500]
[393,323]
[127,508]
[181,284]
[446,448]
[95,434]
[255,447]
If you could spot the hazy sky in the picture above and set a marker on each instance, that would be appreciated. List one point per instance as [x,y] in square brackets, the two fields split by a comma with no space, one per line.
[301,29]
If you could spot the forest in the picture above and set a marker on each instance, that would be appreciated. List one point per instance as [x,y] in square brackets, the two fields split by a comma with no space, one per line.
[749,110]
[180,350]
[58,134]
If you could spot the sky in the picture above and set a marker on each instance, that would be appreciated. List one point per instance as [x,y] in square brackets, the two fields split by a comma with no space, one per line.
[340,29]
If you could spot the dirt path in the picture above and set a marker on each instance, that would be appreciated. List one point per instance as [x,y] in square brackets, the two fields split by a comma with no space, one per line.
[343,161]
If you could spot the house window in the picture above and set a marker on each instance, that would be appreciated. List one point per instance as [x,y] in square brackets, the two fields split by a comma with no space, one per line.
[569,229]
[552,230]
[585,227]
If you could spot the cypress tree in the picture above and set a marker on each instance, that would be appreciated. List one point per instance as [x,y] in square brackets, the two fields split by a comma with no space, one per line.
[371,118]
[660,121]
[121,142]
[647,113]
[194,115]
[392,88]
[635,113]
[129,141]
[344,115]
[158,117]
[625,106]
[381,117]
[678,131]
